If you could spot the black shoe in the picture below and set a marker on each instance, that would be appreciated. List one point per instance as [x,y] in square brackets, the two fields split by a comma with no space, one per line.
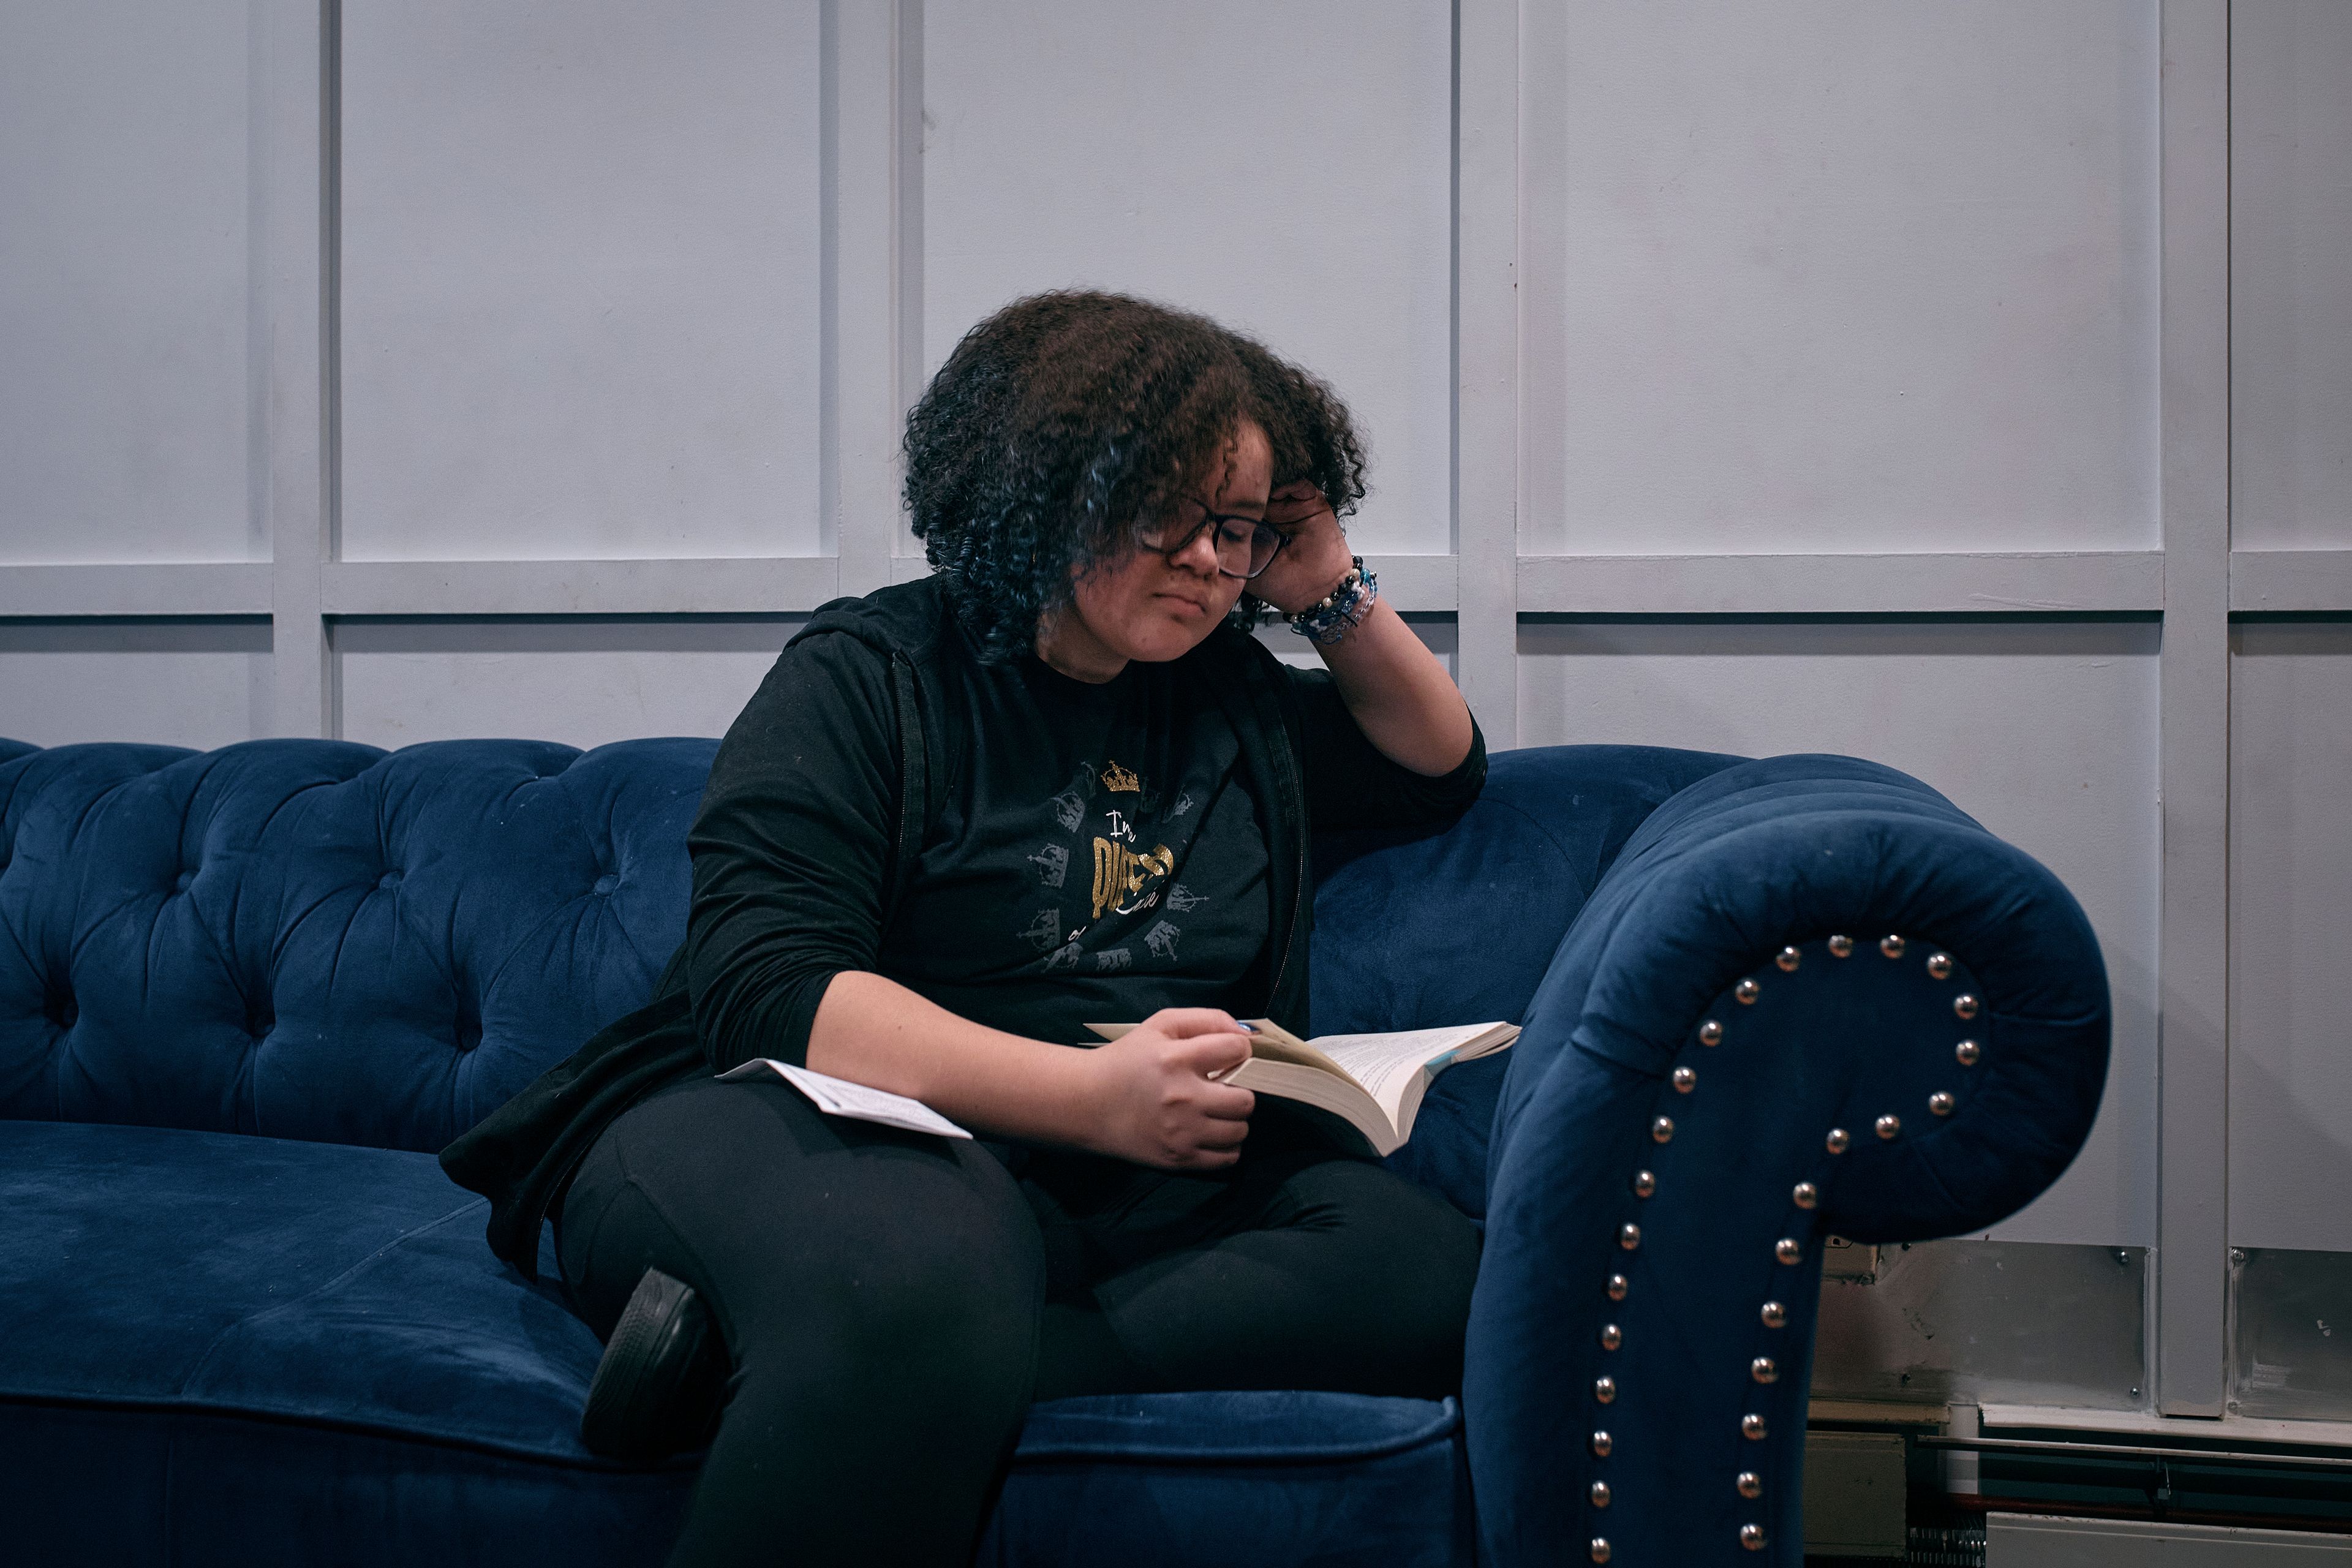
[657,1390]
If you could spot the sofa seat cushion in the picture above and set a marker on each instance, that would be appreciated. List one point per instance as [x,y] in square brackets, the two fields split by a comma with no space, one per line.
[315,1282]
[1239,1480]
[224,1347]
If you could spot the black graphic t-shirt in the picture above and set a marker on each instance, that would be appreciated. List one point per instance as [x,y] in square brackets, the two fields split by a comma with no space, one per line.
[1099,858]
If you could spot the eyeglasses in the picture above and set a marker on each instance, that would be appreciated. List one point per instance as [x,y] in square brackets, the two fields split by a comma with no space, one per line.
[1246,546]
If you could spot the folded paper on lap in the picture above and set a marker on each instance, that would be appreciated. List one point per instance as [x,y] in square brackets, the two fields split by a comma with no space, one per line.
[839,1097]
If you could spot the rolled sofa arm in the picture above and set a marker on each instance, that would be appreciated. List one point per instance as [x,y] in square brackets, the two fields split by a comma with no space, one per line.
[1810,996]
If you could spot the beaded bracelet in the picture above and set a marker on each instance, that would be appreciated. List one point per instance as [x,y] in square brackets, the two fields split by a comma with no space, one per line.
[1328,619]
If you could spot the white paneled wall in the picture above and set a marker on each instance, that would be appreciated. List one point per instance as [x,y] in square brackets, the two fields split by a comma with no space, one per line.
[584,680]
[1818,275]
[169,681]
[126,309]
[1891,380]
[2291,274]
[2291,946]
[1287,169]
[580,280]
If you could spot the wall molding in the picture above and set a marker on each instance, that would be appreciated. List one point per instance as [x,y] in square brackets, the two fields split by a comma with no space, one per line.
[157,588]
[2290,581]
[715,586]
[2054,582]
[2047,583]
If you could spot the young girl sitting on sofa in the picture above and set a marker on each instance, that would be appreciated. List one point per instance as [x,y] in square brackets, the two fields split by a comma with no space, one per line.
[1056,783]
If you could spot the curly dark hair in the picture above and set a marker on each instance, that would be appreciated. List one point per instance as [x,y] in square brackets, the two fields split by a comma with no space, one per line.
[1063,419]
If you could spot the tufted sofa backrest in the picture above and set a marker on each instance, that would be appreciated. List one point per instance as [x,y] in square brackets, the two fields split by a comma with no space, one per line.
[318,940]
[312,939]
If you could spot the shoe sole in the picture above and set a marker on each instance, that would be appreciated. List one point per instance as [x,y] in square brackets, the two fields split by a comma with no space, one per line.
[654,1393]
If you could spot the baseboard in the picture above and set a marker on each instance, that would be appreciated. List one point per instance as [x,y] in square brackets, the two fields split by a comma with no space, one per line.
[2028,1540]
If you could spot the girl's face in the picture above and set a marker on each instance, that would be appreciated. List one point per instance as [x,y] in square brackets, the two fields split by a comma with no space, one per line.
[1145,606]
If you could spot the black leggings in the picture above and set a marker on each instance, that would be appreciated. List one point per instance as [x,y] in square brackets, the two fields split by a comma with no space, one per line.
[891,1303]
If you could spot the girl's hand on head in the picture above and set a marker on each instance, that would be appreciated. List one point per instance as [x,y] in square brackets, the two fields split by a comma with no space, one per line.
[1158,1104]
[1311,564]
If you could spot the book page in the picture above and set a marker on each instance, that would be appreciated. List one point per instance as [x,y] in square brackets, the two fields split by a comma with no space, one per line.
[1323,1090]
[1389,1065]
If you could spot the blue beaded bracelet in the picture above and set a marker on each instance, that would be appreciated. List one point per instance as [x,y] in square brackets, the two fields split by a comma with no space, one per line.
[1328,619]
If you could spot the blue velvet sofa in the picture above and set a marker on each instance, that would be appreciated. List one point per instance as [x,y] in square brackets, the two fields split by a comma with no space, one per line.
[245,994]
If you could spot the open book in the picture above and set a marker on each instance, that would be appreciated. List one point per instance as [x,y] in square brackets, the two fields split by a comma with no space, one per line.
[1372,1082]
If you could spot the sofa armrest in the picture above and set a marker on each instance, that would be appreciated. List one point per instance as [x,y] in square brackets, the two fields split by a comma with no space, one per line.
[1810,996]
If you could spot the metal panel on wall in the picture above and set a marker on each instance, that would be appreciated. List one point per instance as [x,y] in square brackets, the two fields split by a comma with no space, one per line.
[126,206]
[1826,277]
[2044,731]
[1285,169]
[580,280]
[2290,275]
[582,680]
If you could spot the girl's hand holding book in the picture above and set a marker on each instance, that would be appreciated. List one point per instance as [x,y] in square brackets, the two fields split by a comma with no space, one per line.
[1159,1102]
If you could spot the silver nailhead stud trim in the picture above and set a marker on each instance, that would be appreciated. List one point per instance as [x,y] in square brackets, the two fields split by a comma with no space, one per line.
[1746,991]
[1604,1389]
[1662,1131]
[1645,1184]
[1889,1125]
[1710,1033]
[1685,1078]
[1763,1370]
[1599,1548]
[1611,1337]
[1751,1484]
[1787,1250]
[1788,960]
[1751,1536]
[1752,1428]
[1940,965]
[1967,1052]
[1892,946]
[1629,1236]
[1775,1315]
[1601,1494]
[1837,1140]
[1841,947]
[1965,1005]
[1601,1444]
[1940,1103]
[1806,1194]
[1616,1287]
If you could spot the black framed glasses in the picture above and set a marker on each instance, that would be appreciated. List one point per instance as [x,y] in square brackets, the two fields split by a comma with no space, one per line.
[1246,546]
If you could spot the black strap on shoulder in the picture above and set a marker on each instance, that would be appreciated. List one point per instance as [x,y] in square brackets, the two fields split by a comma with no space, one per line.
[914,794]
